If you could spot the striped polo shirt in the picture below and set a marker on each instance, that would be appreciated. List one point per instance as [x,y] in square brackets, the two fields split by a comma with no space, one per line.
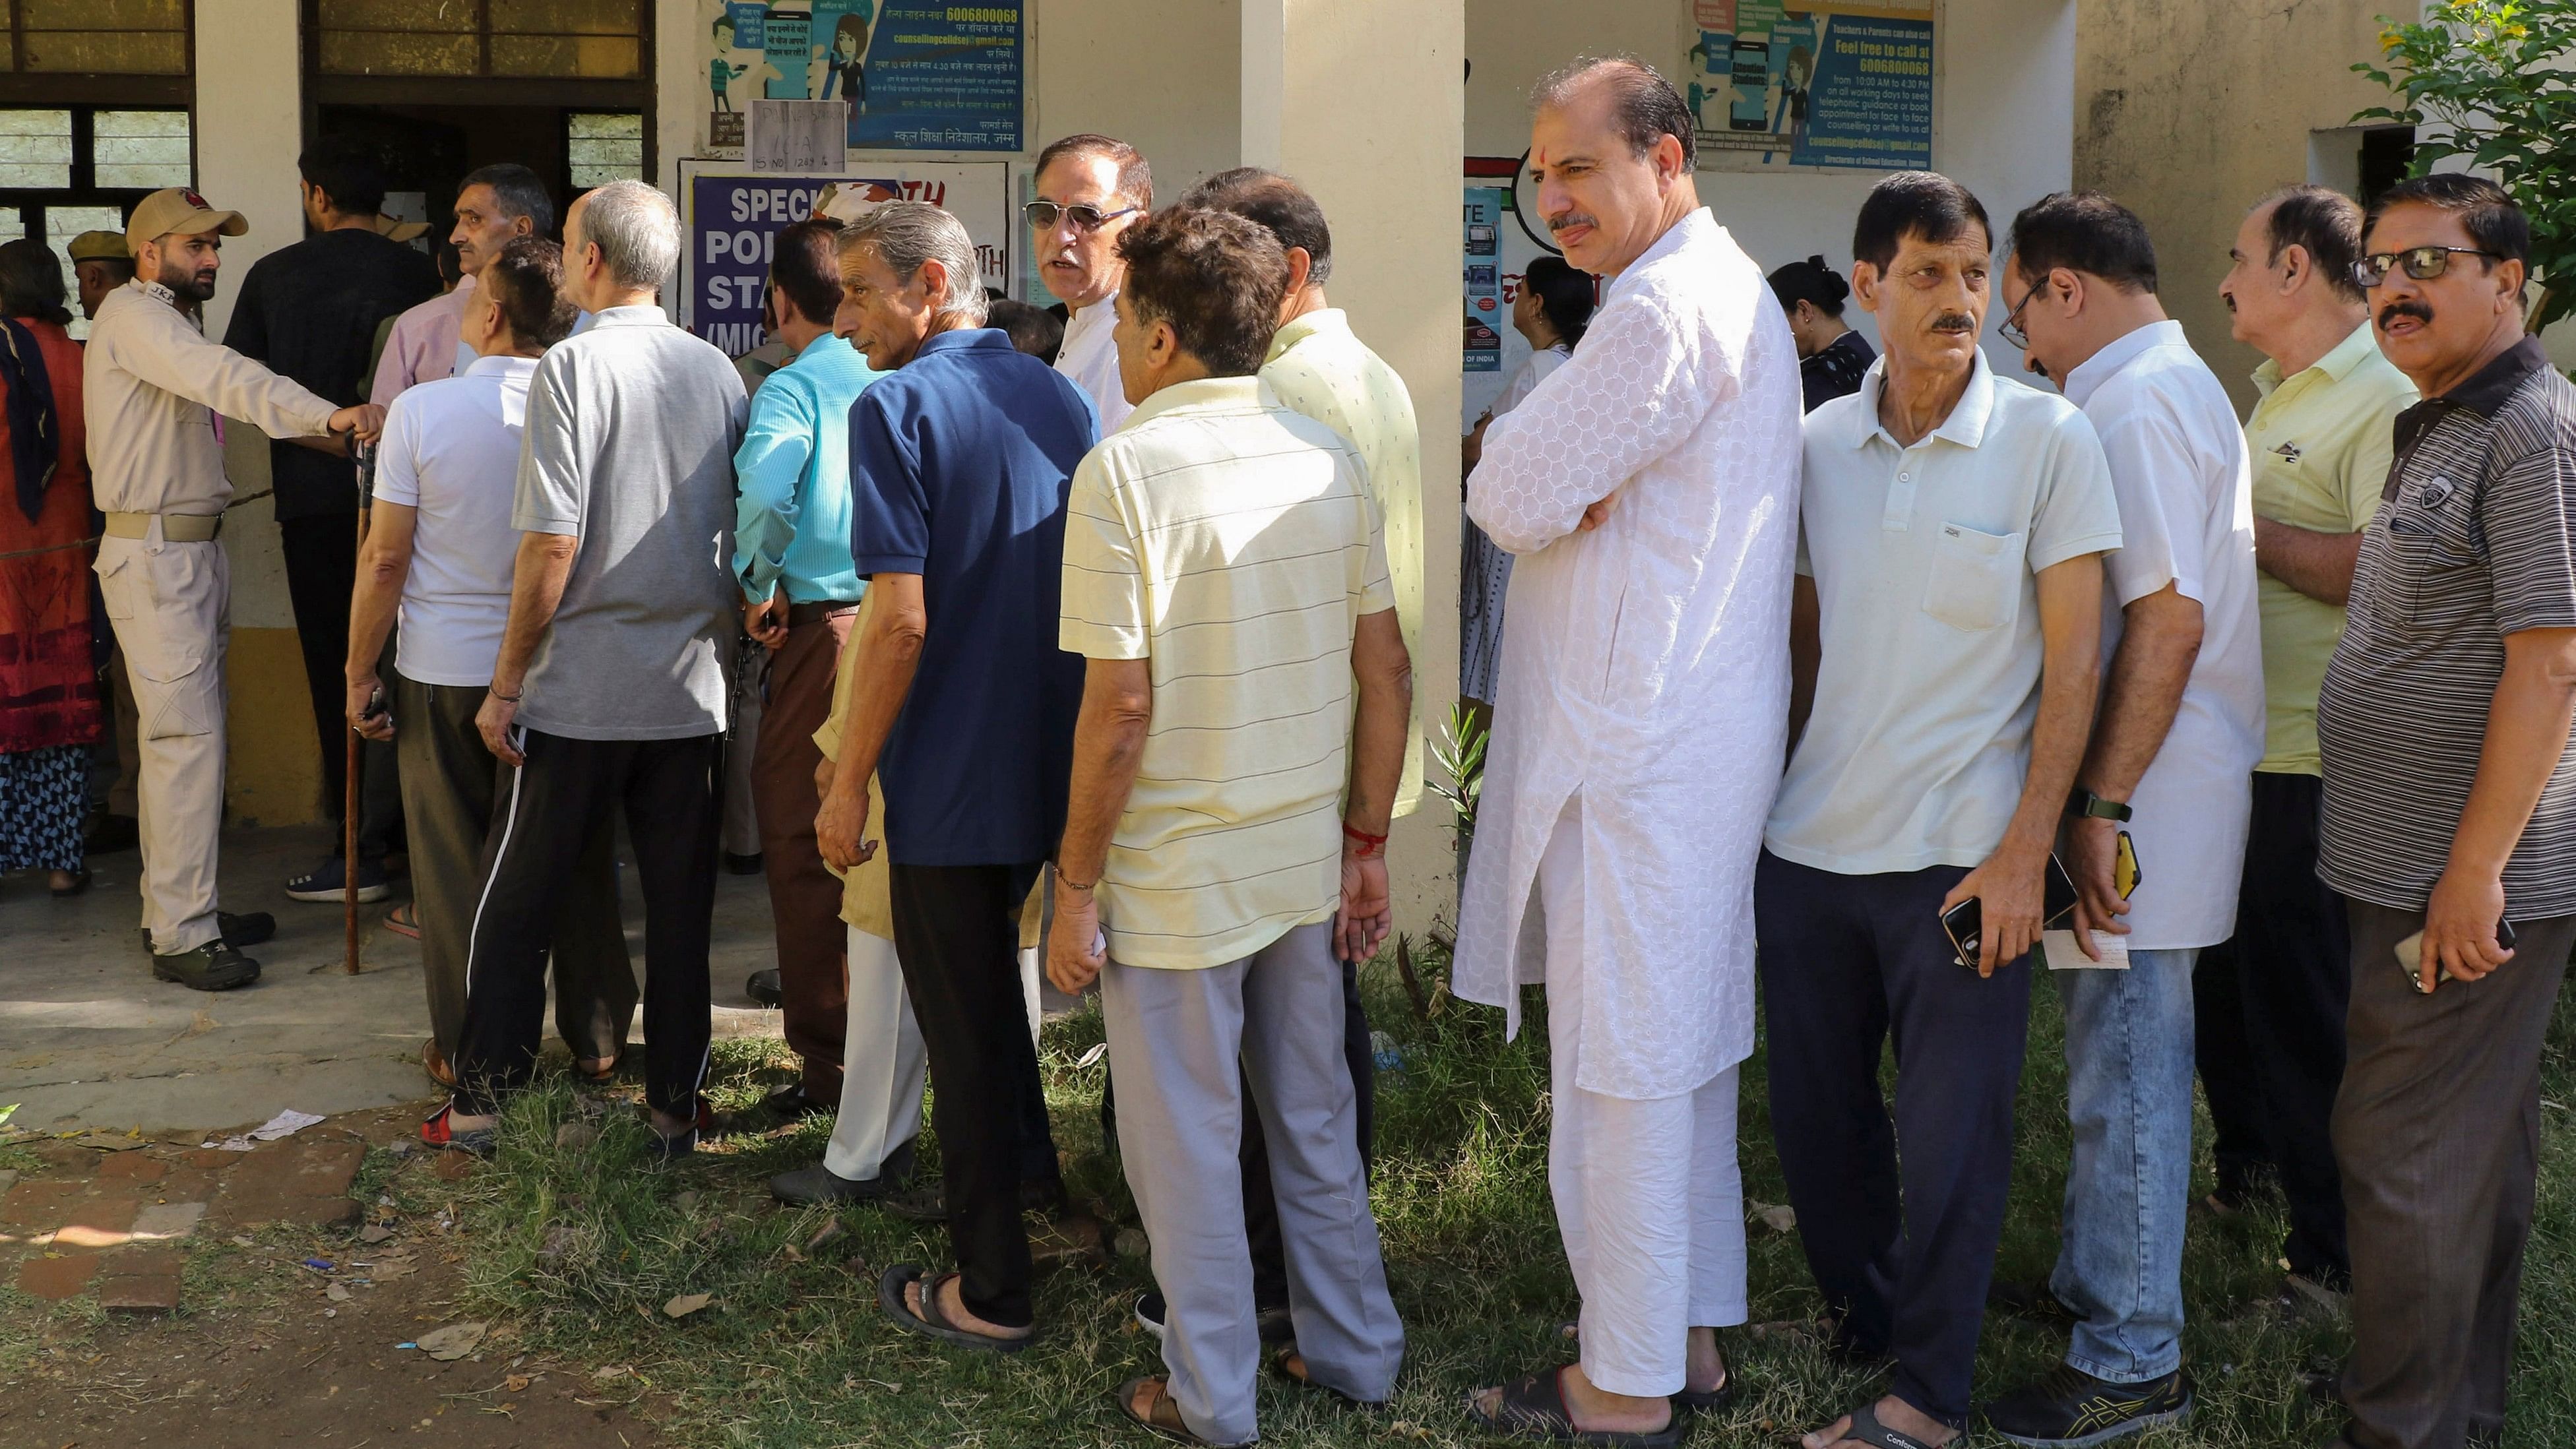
[2475,539]
[1229,541]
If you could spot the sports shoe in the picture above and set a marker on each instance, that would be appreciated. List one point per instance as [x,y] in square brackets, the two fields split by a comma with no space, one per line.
[762,987]
[808,1186]
[247,929]
[2071,1409]
[325,883]
[214,966]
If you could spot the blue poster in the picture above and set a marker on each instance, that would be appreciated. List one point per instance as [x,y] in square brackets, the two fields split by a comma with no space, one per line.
[1481,281]
[924,75]
[788,32]
[1871,102]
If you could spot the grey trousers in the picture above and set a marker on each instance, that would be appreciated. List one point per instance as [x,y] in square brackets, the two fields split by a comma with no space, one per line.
[449,779]
[2437,1129]
[1175,1040]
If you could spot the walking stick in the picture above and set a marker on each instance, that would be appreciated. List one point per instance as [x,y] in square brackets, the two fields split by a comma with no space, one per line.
[366,460]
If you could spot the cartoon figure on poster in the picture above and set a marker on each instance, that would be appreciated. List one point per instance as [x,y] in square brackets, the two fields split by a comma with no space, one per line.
[842,30]
[737,64]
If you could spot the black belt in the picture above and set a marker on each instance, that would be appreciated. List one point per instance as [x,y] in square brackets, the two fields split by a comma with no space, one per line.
[816,613]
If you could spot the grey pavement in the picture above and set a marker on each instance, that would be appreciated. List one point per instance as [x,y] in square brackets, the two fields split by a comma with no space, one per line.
[89,1039]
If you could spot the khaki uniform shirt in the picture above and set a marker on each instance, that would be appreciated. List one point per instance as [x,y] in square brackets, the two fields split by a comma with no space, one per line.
[151,386]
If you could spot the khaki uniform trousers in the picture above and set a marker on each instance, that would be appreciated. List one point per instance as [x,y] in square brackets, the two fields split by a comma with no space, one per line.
[170,603]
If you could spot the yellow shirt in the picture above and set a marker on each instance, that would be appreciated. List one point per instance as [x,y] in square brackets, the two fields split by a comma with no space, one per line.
[1320,368]
[1226,540]
[2321,443]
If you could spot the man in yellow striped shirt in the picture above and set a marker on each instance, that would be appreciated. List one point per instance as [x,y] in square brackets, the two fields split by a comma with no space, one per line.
[1235,767]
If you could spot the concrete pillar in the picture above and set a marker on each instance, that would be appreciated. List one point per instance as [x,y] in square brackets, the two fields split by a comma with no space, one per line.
[1388,175]
[249,124]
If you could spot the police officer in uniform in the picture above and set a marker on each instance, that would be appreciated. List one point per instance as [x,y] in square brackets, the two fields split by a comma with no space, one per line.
[154,383]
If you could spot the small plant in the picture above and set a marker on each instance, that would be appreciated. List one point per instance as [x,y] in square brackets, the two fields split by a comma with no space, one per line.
[2493,78]
[1460,754]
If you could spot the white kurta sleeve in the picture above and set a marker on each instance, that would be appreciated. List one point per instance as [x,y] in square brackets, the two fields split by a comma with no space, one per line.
[1638,384]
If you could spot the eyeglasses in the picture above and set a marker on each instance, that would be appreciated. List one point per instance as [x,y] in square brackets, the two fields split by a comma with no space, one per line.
[2421,263]
[1045,214]
[2011,328]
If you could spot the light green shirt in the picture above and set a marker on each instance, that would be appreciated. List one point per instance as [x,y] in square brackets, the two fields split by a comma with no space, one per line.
[1321,368]
[2321,444]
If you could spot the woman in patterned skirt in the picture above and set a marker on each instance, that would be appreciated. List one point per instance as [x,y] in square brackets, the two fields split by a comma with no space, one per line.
[1553,307]
[49,697]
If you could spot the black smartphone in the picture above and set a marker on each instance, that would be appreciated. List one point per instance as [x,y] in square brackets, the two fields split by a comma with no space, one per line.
[1964,922]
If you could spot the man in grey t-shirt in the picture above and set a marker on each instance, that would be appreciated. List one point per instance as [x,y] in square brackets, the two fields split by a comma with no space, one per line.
[610,685]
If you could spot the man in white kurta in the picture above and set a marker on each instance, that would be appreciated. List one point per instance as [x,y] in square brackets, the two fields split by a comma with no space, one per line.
[1649,489]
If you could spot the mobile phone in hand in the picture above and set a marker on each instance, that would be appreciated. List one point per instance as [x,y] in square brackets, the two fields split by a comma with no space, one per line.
[1965,922]
[2410,957]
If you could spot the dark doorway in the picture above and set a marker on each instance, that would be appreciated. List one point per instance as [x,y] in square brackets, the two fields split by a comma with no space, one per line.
[429,148]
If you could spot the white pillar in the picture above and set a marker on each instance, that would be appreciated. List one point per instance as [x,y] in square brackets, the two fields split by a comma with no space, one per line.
[1366,106]
[249,125]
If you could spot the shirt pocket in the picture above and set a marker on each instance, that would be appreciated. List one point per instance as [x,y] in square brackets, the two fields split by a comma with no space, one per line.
[1976,577]
[2442,581]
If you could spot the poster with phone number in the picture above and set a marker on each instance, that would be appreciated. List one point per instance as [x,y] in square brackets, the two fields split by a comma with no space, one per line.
[1771,83]
[917,75]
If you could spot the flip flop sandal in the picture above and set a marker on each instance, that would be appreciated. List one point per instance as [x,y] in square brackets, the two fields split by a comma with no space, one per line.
[932,1320]
[438,1132]
[1534,1409]
[1712,1401]
[403,920]
[1164,1418]
[1865,1429]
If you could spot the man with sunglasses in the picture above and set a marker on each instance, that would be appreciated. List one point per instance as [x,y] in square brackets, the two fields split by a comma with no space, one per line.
[2174,744]
[1090,189]
[2450,808]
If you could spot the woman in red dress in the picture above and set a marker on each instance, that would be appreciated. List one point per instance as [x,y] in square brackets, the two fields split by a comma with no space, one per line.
[50,713]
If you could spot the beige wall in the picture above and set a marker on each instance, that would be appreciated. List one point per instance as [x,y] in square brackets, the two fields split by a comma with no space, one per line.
[2191,111]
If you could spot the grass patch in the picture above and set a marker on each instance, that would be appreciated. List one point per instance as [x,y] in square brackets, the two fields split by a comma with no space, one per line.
[579,1246]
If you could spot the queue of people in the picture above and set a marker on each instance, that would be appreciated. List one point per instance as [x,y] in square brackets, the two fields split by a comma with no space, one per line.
[1870,677]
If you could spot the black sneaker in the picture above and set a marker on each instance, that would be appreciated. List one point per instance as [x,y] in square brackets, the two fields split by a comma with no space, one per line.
[2070,1408]
[742,864]
[214,966]
[808,1186]
[325,882]
[763,988]
[247,929]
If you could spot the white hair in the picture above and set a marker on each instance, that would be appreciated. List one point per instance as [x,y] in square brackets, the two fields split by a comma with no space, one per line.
[637,231]
[908,233]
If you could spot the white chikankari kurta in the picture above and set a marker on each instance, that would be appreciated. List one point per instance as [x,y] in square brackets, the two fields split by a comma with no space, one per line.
[1646,663]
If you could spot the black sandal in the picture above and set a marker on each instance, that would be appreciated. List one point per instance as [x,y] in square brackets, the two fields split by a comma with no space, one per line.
[932,1321]
[1164,1418]
[1865,1429]
[1534,1409]
[1711,1401]
[1304,1377]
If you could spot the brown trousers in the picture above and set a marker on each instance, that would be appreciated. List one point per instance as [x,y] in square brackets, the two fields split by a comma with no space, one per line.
[804,897]
[2437,1129]
[449,783]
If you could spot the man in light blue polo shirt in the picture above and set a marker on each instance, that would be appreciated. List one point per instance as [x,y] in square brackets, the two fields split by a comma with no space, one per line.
[1945,642]
[792,553]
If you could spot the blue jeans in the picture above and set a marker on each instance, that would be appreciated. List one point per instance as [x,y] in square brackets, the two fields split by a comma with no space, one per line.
[2128,1097]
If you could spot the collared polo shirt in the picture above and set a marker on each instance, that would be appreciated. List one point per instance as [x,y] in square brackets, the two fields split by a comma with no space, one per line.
[1320,367]
[1226,539]
[1925,562]
[2321,445]
[2186,500]
[792,519]
[451,451]
[959,465]
[2475,539]
[1089,356]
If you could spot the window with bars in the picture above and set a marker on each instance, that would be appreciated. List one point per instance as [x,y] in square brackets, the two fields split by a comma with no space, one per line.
[97,37]
[553,39]
[603,146]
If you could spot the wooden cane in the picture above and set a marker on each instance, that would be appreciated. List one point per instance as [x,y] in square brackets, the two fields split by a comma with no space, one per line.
[366,460]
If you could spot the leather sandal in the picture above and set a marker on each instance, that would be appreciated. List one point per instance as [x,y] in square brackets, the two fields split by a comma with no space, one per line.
[1534,1409]
[932,1321]
[1164,1418]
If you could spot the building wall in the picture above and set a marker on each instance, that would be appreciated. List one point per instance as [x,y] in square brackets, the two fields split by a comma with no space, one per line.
[2189,114]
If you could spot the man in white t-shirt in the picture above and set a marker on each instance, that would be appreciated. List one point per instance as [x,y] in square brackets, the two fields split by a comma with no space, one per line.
[1090,189]
[2177,736]
[441,545]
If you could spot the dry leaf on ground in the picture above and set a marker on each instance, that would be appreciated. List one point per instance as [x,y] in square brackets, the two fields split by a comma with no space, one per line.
[687,1303]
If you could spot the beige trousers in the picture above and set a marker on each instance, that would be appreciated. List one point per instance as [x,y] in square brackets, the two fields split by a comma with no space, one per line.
[169,604]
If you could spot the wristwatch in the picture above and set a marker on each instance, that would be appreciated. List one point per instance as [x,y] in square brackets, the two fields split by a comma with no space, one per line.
[2085,803]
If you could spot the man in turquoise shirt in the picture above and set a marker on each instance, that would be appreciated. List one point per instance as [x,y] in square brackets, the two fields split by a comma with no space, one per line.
[792,554]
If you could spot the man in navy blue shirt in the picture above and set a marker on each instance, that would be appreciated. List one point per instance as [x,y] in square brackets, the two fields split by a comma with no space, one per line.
[960,464]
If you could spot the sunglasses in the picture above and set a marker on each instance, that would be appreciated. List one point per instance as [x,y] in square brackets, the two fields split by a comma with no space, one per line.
[2421,263]
[1045,214]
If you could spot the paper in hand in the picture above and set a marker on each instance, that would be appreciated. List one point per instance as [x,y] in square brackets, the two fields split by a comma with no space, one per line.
[2063,953]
